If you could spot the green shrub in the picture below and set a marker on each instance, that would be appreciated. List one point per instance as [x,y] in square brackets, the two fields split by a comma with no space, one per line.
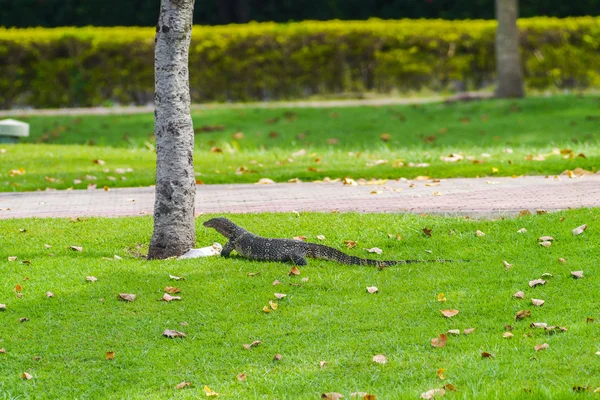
[258,61]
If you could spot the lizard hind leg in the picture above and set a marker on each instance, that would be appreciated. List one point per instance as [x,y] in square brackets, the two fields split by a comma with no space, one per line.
[298,259]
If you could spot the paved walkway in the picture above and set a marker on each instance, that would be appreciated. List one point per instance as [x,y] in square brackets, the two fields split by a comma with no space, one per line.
[484,197]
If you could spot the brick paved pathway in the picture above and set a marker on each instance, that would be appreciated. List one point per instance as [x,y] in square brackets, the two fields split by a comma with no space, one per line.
[485,197]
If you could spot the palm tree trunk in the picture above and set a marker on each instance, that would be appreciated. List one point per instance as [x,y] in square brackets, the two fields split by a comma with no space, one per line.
[508,58]
[174,230]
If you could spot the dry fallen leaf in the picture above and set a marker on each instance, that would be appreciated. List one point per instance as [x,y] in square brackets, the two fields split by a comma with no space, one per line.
[479,233]
[277,282]
[375,250]
[468,331]
[167,297]
[2,350]
[380,359]
[23,319]
[126,296]
[350,243]
[332,396]
[546,239]
[372,289]
[172,289]
[543,346]
[540,325]
[427,232]
[522,230]
[265,181]
[440,373]
[49,294]
[176,278]
[241,377]
[449,313]
[506,264]
[522,314]
[537,302]
[519,295]
[562,260]
[2,307]
[507,335]
[12,258]
[110,355]
[266,309]
[170,333]
[18,288]
[294,271]
[209,392]
[301,238]
[439,341]
[253,344]
[76,248]
[577,274]
[441,297]
[183,385]
[322,364]
[280,295]
[485,354]
[26,376]
[579,230]
[91,278]
[536,282]
[320,237]
[453,332]
[273,305]
[433,393]
[277,357]
[546,244]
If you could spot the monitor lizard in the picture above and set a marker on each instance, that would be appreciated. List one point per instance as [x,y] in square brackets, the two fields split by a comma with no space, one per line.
[261,248]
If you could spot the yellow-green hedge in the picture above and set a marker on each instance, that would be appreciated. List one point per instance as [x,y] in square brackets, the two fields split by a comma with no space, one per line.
[90,66]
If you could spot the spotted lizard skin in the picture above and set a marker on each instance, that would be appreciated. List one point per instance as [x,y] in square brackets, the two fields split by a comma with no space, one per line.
[260,248]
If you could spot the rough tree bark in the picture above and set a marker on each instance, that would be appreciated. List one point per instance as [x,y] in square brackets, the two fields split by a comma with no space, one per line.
[174,230]
[508,58]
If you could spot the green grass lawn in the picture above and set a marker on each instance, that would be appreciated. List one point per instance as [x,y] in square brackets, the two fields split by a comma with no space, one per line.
[495,138]
[330,317]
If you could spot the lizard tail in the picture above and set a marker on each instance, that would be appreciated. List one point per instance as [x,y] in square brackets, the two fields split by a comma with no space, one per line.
[322,252]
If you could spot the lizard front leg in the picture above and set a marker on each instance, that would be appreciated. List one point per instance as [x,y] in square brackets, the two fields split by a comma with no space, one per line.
[227,249]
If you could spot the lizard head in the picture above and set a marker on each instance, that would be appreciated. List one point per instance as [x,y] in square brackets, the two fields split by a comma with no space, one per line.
[222,225]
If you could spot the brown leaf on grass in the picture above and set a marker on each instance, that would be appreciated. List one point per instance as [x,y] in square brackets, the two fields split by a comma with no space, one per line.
[379,359]
[350,244]
[363,396]
[76,248]
[209,392]
[91,278]
[23,319]
[441,297]
[167,297]
[12,258]
[110,355]
[2,307]
[507,335]
[543,346]
[216,150]
[468,331]
[538,325]
[577,274]
[265,181]
[522,314]
[322,364]
[294,271]
[449,313]
[545,239]
[375,250]
[280,295]
[386,137]
[253,344]
[266,309]
[176,278]
[439,341]
[485,354]
[3,351]
[519,295]
[26,376]
[26,262]
[579,230]
[18,288]
[277,357]
[273,305]
[171,333]
[537,302]
[332,396]
[440,373]
[172,290]
[320,237]
[238,135]
[127,296]
[300,238]
[333,141]
[49,294]
[433,393]
[536,282]
[522,230]
[562,260]
[479,233]
[453,332]
[277,282]
[241,377]
[182,385]
[372,289]
[589,320]
[546,244]
[507,265]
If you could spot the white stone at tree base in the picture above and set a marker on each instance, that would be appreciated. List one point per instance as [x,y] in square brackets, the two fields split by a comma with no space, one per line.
[209,251]
[12,127]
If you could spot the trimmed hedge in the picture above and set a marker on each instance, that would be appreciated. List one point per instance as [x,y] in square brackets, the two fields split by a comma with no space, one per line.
[264,61]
